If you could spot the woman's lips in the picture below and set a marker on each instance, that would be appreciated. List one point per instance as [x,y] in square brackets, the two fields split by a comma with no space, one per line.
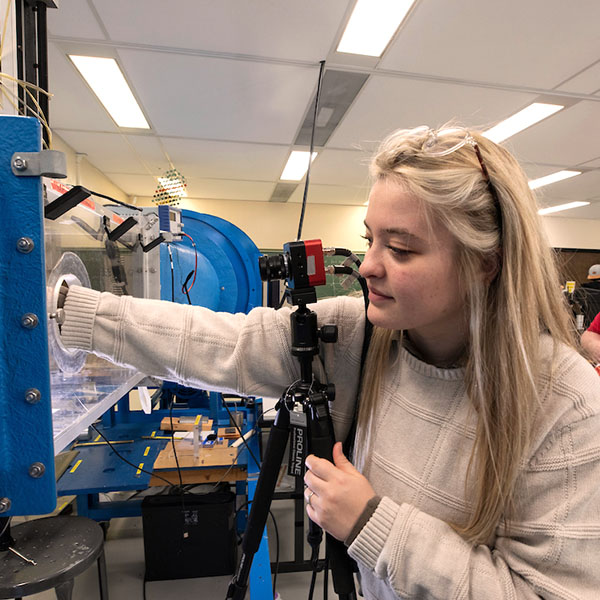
[377,296]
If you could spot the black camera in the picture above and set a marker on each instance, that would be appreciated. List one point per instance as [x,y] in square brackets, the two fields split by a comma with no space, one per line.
[301,265]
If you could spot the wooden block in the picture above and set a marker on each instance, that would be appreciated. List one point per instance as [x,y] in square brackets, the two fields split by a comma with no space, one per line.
[229,433]
[211,475]
[165,425]
[217,455]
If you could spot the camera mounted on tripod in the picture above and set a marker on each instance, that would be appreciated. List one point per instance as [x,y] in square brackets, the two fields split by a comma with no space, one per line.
[302,267]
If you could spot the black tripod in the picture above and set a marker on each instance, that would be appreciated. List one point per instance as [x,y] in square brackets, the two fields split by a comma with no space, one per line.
[303,409]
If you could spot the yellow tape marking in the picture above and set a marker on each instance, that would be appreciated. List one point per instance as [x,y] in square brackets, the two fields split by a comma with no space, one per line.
[97,438]
[76,465]
[140,466]
[147,450]
[197,419]
[153,434]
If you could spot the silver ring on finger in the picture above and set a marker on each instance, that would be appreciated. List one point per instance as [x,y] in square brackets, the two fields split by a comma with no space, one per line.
[309,497]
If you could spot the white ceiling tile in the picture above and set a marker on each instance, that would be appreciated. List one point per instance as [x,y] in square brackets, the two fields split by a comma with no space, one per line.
[389,103]
[569,137]
[74,18]
[108,152]
[150,152]
[73,105]
[537,43]
[134,185]
[226,160]
[341,167]
[286,30]
[223,189]
[582,187]
[586,82]
[191,96]
[584,212]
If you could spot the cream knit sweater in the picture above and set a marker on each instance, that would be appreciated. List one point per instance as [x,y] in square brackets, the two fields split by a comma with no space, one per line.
[425,431]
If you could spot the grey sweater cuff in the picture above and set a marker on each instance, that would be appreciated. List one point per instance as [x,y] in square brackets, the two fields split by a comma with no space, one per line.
[369,543]
[80,310]
[363,519]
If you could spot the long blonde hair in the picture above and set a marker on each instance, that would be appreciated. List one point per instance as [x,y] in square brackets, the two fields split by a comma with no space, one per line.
[505,316]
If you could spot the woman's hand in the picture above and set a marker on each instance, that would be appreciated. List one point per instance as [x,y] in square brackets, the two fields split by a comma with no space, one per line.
[336,494]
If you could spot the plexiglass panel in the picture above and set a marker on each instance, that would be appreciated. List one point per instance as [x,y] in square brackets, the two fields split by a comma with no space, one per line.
[79,251]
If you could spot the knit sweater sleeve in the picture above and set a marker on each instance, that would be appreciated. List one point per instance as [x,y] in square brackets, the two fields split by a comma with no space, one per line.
[240,353]
[550,549]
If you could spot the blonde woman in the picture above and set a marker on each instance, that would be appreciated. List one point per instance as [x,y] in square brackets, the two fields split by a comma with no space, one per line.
[477,455]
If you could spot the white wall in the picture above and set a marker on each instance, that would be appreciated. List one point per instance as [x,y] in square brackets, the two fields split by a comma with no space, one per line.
[572,233]
[85,173]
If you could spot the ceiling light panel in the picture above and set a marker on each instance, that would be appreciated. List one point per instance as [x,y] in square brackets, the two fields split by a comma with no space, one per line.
[534,113]
[552,178]
[561,207]
[297,165]
[372,25]
[106,80]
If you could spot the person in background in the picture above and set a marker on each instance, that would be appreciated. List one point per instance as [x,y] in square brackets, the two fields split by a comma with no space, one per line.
[587,296]
[593,278]
[476,460]
[590,340]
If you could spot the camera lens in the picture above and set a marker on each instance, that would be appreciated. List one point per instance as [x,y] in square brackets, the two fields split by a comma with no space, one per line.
[272,267]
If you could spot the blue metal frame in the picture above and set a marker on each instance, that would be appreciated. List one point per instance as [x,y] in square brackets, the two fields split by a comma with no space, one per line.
[26,437]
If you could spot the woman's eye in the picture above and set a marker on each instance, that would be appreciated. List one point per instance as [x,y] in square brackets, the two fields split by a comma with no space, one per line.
[402,252]
[368,240]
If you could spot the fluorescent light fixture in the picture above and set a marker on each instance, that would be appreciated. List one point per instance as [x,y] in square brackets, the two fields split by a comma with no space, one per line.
[522,120]
[297,165]
[372,25]
[559,207]
[106,80]
[552,178]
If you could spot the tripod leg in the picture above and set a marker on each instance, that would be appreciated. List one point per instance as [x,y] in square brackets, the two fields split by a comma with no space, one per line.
[321,438]
[263,496]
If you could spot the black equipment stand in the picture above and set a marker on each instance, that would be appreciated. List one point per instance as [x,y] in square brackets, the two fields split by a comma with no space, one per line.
[302,409]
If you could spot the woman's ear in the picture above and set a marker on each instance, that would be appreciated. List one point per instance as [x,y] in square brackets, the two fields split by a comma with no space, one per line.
[491,266]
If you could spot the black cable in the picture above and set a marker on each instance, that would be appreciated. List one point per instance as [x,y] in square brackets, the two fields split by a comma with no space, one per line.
[173,442]
[6,526]
[115,201]
[240,433]
[348,253]
[276,570]
[172,273]
[136,467]
[312,145]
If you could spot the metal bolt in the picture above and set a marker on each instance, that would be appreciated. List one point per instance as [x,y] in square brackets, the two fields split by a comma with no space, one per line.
[36,470]
[20,164]
[29,321]
[25,245]
[33,396]
[5,504]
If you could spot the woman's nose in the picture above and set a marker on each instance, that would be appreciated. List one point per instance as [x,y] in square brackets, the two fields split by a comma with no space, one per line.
[370,266]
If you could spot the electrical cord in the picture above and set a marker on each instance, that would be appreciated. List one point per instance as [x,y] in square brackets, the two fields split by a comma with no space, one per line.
[116,201]
[312,145]
[173,442]
[184,287]
[5,527]
[276,569]
[240,433]
[136,467]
